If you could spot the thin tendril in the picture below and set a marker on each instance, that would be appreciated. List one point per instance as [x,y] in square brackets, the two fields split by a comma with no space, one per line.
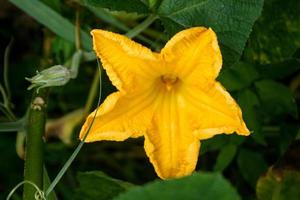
[6,66]
[39,195]
[78,148]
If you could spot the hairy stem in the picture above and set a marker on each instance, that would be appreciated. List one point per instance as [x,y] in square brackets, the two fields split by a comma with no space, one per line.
[34,156]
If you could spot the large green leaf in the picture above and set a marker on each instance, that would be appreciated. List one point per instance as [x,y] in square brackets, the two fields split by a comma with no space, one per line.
[276,35]
[276,98]
[232,20]
[137,6]
[97,185]
[279,185]
[52,20]
[204,186]
[252,165]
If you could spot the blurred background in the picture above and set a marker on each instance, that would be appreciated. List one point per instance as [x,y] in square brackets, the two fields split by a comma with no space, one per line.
[264,81]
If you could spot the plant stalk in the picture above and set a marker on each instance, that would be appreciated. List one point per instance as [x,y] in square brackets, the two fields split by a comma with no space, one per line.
[34,155]
[92,94]
[141,27]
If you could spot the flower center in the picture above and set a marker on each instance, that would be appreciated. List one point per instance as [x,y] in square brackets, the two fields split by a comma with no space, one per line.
[169,80]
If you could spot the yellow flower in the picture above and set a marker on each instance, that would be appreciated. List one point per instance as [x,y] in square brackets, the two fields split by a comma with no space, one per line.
[171,98]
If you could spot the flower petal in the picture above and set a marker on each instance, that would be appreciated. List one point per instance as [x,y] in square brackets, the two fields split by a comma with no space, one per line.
[195,56]
[169,143]
[120,117]
[213,111]
[128,64]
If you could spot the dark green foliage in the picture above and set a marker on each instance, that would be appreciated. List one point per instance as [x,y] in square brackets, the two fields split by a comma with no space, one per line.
[239,76]
[204,186]
[277,98]
[250,105]
[225,157]
[137,6]
[231,20]
[52,20]
[251,165]
[275,36]
[97,185]
[279,70]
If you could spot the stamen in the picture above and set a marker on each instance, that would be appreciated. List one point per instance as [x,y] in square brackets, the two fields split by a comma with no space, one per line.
[169,80]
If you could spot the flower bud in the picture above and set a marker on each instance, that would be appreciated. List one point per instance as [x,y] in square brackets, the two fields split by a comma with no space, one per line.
[57,75]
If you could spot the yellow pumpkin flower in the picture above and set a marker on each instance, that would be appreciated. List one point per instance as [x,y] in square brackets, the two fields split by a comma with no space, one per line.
[171,98]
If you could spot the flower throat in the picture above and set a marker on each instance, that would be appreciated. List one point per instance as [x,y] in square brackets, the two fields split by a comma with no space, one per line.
[169,80]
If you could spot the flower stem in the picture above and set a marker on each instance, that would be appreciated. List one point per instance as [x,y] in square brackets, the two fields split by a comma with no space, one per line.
[34,156]
[142,26]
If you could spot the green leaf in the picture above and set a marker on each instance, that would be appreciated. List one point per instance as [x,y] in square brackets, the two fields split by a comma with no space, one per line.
[52,20]
[252,165]
[279,185]
[232,20]
[236,139]
[225,157]
[97,185]
[276,35]
[137,6]
[276,98]
[204,186]
[249,103]
[239,76]
[279,70]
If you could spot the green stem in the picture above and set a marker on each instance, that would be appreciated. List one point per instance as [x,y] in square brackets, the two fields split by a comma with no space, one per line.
[12,117]
[34,157]
[77,30]
[107,17]
[5,106]
[4,96]
[6,113]
[92,94]
[142,26]
[156,34]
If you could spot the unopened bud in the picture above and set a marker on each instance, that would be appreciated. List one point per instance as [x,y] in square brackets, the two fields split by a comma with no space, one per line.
[57,75]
